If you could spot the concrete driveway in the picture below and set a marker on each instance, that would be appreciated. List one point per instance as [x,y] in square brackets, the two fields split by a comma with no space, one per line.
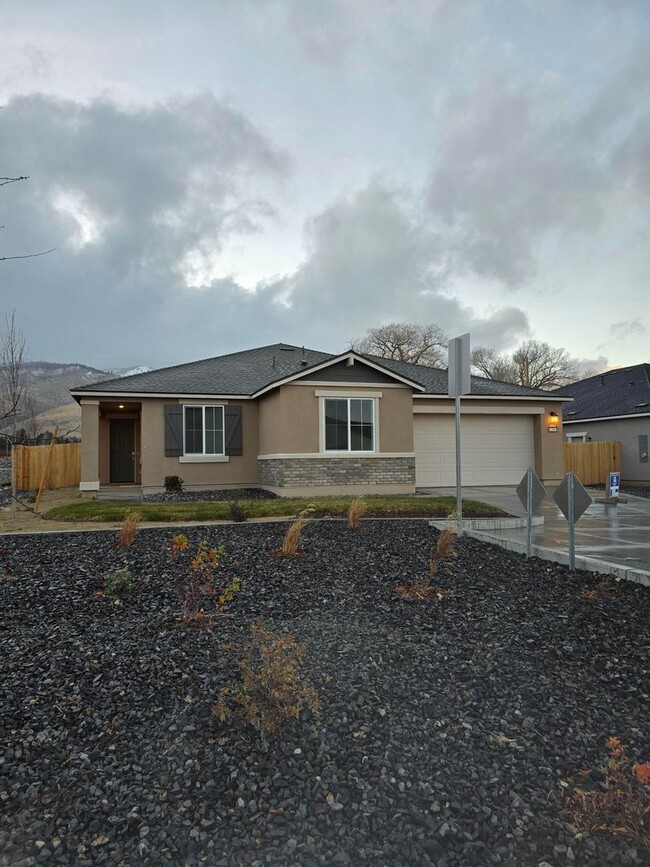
[615,534]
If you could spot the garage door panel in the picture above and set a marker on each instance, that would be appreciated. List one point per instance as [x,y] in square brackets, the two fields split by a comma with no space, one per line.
[496,450]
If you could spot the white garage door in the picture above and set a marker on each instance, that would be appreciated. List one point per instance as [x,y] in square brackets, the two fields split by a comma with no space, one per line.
[496,450]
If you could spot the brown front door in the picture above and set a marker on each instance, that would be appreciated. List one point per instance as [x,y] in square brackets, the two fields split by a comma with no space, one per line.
[122,450]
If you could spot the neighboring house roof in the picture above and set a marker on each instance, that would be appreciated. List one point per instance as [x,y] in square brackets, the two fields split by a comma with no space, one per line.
[615,394]
[254,371]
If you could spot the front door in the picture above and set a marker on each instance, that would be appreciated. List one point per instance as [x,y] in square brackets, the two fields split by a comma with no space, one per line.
[122,450]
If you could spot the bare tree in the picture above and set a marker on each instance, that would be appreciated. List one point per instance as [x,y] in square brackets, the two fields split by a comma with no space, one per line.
[12,355]
[3,183]
[405,341]
[488,363]
[534,363]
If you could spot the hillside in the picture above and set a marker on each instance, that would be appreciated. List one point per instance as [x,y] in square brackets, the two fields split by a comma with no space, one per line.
[48,386]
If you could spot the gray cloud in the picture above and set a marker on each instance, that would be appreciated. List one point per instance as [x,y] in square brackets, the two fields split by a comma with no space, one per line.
[135,200]
[589,366]
[371,261]
[365,34]
[518,165]
[621,330]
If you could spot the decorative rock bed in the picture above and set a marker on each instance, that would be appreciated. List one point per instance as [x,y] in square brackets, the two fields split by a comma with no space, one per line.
[447,729]
[209,496]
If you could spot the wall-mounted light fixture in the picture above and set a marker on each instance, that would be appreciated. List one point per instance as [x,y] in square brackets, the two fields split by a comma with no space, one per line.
[553,418]
[120,406]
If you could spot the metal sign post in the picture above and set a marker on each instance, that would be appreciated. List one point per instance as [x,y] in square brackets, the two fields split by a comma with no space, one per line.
[573,500]
[458,382]
[571,518]
[531,492]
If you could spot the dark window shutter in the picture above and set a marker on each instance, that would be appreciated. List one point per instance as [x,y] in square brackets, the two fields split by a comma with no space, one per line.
[232,423]
[173,430]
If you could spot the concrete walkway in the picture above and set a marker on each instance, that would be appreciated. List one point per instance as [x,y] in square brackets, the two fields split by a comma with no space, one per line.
[619,535]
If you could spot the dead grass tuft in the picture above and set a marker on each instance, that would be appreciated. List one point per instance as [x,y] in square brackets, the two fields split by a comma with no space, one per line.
[293,537]
[357,509]
[272,687]
[128,530]
[604,590]
[422,590]
[423,587]
[620,806]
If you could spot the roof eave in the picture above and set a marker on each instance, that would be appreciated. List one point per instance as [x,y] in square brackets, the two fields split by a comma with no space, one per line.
[607,418]
[536,397]
[124,395]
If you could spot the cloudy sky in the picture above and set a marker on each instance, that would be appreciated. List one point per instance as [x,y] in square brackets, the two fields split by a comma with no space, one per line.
[217,175]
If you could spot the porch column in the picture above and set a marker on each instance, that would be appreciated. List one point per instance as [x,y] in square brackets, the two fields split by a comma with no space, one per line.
[89,446]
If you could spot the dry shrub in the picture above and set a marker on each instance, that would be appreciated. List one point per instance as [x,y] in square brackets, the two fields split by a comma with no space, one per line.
[199,582]
[128,530]
[621,807]
[272,688]
[357,509]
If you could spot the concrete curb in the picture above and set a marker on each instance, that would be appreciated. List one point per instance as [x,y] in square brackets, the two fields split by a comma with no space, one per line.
[588,564]
[487,523]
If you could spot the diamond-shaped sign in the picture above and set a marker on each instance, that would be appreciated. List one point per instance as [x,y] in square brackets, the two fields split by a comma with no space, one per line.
[581,499]
[538,490]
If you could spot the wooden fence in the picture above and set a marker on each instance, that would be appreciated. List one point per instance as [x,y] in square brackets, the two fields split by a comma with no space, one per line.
[64,470]
[592,461]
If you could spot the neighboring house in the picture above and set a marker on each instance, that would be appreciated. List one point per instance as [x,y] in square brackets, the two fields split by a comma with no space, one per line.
[297,421]
[614,406]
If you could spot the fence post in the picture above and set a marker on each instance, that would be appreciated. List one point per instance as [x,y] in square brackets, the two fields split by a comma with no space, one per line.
[14,492]
[45,469]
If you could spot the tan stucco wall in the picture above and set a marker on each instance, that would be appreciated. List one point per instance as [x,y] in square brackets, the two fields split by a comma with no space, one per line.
[237,471]
[90,442]
[289,420]
[549,460]
[627,432]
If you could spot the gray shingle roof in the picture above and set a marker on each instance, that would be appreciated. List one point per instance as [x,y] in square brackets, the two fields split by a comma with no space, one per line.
[238,373]
[247,372]
[625,391]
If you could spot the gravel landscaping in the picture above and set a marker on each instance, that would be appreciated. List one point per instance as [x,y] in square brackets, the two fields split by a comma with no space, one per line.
[209,496]
[449,728]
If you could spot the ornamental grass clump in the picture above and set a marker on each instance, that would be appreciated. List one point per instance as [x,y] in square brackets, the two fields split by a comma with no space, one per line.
[423,586]
[292,538]
[128,530]
[199,583]
[173,484]
[357,509]
[271,688]
[619,805]
[237,511]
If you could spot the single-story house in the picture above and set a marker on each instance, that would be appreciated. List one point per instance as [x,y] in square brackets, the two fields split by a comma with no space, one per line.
[613,406]
[300,422]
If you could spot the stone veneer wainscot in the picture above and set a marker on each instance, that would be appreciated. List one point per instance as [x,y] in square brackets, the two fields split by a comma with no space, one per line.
[307,472]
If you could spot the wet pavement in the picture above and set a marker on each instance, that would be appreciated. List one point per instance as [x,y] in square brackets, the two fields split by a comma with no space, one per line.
[617,534]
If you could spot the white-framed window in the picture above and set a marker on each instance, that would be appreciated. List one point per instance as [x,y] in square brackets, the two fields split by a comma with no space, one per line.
[349,424]
[203,430]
